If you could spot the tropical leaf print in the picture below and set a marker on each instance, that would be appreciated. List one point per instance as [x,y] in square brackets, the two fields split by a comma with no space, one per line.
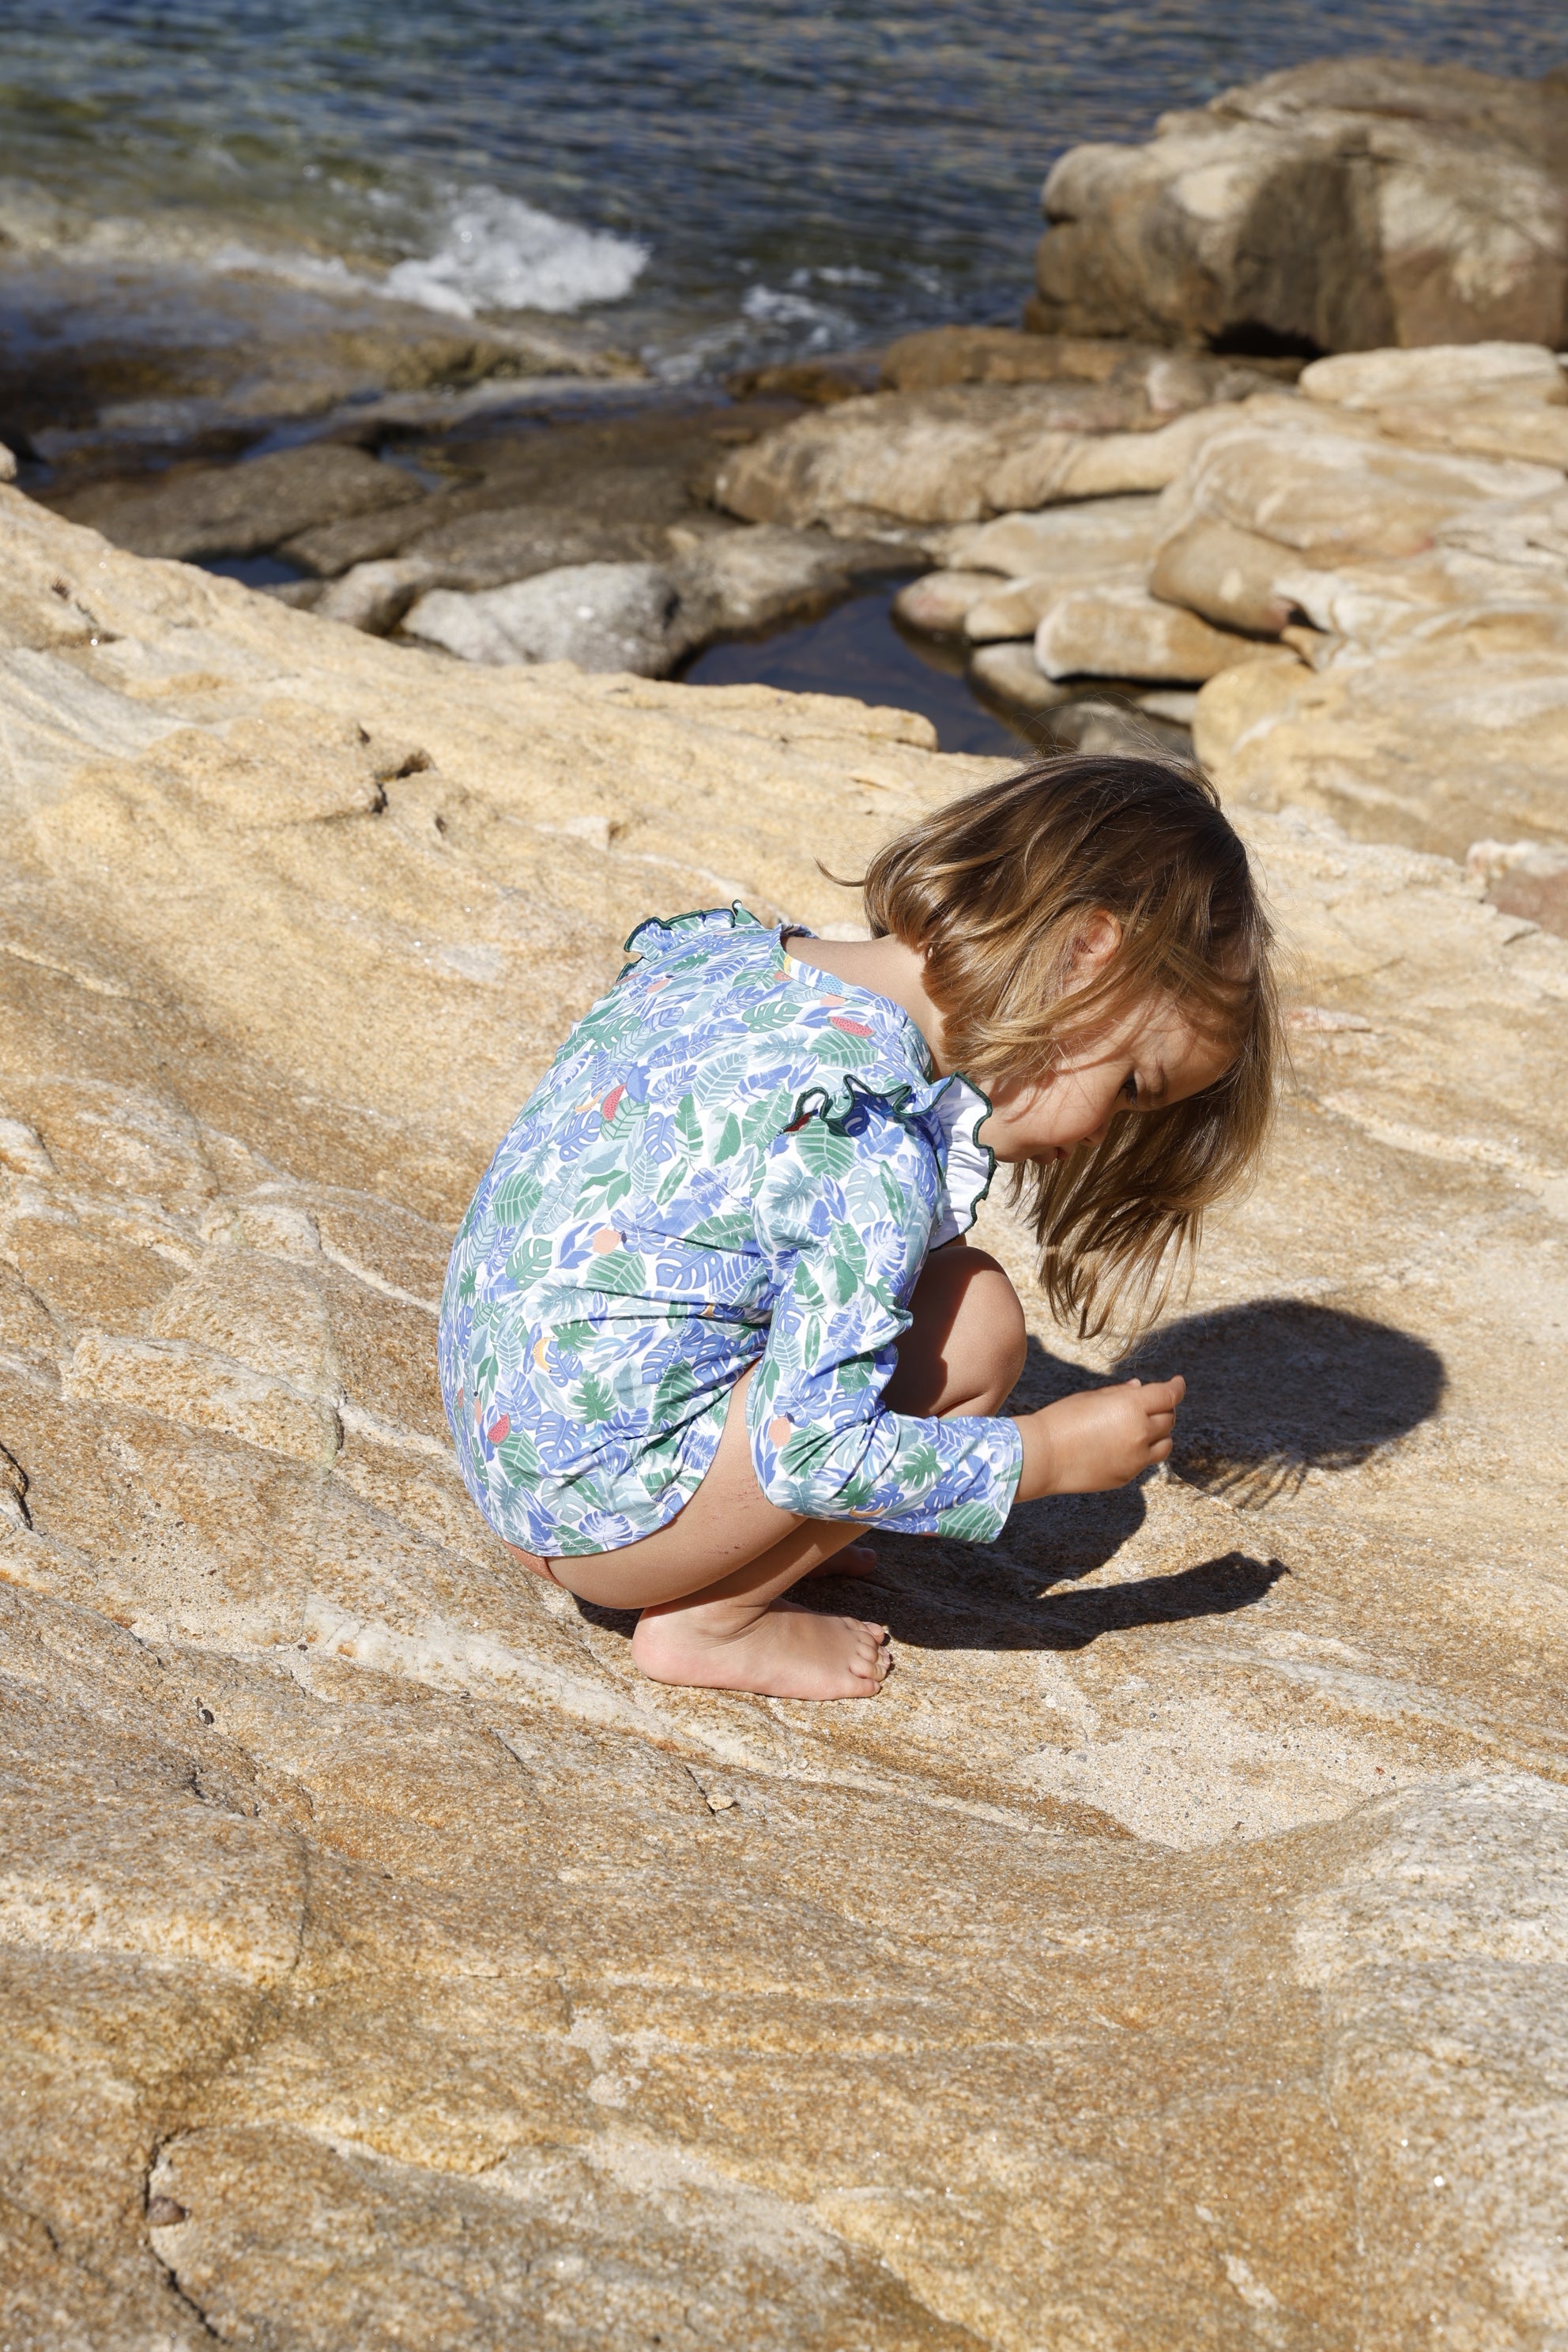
[730,1163]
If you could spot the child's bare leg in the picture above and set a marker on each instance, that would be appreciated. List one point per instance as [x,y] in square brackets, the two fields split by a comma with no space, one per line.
[710,1584]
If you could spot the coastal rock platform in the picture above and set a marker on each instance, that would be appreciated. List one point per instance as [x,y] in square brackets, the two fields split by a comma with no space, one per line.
[1174,1954]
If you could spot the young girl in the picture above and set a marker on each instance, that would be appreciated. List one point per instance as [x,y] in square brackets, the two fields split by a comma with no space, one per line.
[711,1313]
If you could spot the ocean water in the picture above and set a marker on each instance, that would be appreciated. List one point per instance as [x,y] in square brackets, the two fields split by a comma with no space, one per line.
[711,183]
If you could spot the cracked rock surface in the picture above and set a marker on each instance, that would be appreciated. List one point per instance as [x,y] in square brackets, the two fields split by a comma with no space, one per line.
[1173,1955]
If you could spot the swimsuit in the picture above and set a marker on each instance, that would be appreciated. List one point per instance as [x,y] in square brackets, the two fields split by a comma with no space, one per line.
[734,1160]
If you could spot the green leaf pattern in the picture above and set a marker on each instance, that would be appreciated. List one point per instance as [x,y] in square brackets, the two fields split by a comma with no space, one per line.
[733,1160]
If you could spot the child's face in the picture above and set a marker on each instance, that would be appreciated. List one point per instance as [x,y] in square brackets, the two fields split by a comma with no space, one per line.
[1152,1057]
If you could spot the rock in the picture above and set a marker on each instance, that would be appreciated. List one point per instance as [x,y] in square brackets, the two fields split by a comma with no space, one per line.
[630,485]
[1449,736]
[1447,372]
[1236,579]
[1100,532]
[603,617]
[939,601]
[899,461]
[238,510]
[818,383]
[734,580]
[7,463]
[373,596]
[1008,673]
[1524,877]
[1119,630]
[1339,205]
[1327,484]
[1172,381]
[375,1966]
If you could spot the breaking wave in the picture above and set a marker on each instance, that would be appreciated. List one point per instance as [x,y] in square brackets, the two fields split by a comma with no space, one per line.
[496,253]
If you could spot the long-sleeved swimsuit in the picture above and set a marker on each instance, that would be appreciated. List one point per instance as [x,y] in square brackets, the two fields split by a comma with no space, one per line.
[734,1160]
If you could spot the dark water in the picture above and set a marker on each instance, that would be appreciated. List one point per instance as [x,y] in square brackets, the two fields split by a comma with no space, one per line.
[714,180]
[857,649]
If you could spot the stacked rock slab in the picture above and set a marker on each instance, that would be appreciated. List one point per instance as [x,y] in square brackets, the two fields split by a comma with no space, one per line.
[1173,1953]
[1336,206]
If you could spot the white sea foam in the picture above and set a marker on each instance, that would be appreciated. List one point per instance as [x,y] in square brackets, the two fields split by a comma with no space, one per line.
[767,306]
[496,253]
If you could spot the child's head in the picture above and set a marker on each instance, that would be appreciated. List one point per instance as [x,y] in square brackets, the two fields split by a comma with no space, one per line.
[1079,904]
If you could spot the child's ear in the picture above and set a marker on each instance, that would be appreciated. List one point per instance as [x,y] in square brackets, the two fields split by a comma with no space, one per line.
[1099,937]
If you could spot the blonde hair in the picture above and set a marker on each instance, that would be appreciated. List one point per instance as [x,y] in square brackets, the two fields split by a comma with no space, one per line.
[996,890]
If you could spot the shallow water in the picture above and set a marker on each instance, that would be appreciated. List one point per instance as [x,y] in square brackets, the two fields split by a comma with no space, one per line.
[713,182]
[857,649]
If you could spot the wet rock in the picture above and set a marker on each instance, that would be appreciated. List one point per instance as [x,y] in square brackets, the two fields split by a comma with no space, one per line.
[735,580]
[1335,206]
[817,383]
[603,617]
[1119,630]
[238,510]
[375,1966]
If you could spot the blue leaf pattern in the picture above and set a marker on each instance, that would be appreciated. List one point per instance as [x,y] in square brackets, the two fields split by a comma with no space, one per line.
[733,1160]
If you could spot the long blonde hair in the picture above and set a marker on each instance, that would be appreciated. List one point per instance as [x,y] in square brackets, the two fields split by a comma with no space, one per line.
[997,891]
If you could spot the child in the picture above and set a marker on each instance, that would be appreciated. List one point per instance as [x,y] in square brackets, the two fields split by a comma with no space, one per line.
[711,1312]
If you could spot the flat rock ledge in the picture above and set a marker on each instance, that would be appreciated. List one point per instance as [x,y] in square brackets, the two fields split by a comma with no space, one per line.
[1172,1955]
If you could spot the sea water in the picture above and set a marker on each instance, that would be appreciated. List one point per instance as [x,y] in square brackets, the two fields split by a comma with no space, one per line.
[717,183]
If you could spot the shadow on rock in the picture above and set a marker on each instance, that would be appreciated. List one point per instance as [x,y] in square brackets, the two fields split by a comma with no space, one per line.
[1280,1387]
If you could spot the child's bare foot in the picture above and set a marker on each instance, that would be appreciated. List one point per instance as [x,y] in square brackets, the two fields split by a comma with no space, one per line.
[782,1652]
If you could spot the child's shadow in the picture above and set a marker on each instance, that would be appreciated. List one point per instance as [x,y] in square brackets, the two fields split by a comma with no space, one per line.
[1275,1389]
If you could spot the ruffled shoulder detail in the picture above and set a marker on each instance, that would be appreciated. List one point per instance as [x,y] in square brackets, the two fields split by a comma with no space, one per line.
[968,1165]
[660,935]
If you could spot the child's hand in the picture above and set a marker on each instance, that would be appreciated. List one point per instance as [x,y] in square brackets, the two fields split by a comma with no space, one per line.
[1101,1437]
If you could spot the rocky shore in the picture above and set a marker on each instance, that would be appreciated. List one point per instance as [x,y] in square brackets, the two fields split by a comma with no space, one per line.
[1170,1955]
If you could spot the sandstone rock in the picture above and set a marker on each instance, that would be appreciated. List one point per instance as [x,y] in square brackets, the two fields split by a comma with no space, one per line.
[373,596]
[235,509]
[7,463]
[1452,734]
[1119,630]
[1009,673]
[734,580]
[900,460]
[1100,532]
[818,383]
[1327,484]
[376,1965]
[939,601]
[1341,206]
[1173,381]
[1237,579]
[1449,372]
[604,616]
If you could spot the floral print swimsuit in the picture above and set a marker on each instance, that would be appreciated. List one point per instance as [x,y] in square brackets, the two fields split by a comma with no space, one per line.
[735,1160]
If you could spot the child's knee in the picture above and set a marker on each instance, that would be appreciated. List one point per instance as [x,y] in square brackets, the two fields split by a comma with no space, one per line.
[990,1339]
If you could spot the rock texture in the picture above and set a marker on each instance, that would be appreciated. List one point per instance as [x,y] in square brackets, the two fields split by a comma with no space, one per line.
[1174,1953]
[1335,206]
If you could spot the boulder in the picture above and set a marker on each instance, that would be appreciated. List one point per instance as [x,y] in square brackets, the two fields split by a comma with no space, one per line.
[939,601]
[1456,732]
[603,617]
[1098,532]
[1017,609]
[1117,629]
[1172,381]
[371,596]
[903,461]
[1009,673]
[382,1960]
[238,510]
[1334,206]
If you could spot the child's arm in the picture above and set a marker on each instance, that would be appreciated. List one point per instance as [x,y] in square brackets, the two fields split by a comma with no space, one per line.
[1101,1437]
